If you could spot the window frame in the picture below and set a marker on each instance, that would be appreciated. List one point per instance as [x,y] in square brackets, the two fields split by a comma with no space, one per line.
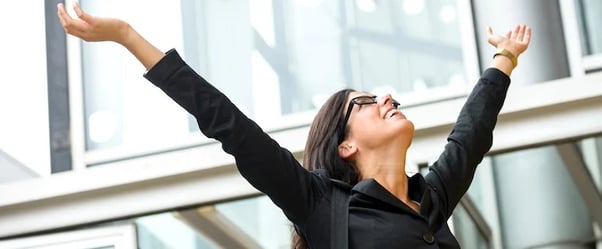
[119,237]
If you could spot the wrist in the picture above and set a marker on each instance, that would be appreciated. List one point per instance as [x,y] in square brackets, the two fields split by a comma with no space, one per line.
[507,54]
[126,35]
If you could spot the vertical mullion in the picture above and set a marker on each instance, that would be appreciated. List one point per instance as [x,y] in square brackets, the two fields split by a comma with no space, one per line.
[58,91]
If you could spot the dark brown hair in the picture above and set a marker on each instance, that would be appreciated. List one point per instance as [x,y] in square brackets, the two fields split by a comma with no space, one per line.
[321,149]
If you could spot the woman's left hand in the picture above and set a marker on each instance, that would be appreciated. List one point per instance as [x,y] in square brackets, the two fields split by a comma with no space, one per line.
[516,41]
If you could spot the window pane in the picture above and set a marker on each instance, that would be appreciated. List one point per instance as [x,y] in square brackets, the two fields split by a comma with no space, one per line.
[254,220]
[121,108]
[166,231]
[272,58]
[289,56]
[591,27]
[466,231]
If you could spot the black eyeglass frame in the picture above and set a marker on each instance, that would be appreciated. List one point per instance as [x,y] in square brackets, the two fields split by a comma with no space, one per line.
[355,101]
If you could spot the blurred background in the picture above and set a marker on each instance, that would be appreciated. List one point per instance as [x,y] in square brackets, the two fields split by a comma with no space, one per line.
[93,156]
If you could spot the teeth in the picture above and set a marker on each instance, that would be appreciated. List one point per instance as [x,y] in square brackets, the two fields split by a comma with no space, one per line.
[391,115]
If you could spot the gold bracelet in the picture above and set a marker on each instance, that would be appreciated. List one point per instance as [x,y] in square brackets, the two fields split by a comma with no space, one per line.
[507,54]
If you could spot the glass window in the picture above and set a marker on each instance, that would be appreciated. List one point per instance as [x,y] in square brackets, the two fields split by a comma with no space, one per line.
[274,59]
[121,108]
[482,190]
[253,222]
[590,26]
[591,151]
[107,237]
[467,232]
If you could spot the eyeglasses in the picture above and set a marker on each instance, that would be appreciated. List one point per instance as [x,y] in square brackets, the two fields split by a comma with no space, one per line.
[361,100]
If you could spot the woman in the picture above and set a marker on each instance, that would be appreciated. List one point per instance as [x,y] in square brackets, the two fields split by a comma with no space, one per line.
[357,142]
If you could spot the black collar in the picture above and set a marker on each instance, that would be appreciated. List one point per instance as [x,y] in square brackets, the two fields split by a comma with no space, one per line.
[418,191]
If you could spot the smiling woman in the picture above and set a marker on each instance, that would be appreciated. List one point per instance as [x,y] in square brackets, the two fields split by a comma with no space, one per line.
[357,144]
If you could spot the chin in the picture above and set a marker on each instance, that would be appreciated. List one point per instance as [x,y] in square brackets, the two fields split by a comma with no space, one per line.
[405,132]
[408,127]
[409,131]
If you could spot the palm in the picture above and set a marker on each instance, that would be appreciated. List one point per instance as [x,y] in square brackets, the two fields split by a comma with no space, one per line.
[516,41]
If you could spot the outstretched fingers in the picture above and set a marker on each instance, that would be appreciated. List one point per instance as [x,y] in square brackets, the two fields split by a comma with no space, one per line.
[515,32]
[67,22]
[72,26]
[527,36]
[522,33]
[64,18]
[81,14]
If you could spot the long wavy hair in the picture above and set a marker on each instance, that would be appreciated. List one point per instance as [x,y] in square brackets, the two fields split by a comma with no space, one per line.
[321,149]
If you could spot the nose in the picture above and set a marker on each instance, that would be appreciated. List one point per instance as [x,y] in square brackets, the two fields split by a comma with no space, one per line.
[385,99]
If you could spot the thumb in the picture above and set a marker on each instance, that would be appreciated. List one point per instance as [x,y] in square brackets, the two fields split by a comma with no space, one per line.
[491,37]
[489,31]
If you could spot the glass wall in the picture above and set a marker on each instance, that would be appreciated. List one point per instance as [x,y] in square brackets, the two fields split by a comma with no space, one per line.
[274,59]
[108,236]
[249,223]
[467,232]
[24,89]
[590,27]
[535,188]
[121,108]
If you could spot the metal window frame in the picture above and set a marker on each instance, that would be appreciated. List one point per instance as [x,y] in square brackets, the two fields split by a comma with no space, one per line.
[120,237]
[579,64]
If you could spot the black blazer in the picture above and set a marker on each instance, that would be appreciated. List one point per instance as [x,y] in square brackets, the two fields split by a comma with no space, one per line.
[377,219]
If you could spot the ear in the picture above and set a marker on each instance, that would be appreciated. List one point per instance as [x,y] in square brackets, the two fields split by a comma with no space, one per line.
[347,150]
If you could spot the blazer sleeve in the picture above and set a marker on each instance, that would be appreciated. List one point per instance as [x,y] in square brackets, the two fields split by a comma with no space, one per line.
[260,160]
[469,140]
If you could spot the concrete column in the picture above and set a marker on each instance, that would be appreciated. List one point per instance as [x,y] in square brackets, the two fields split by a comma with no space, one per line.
[539,205]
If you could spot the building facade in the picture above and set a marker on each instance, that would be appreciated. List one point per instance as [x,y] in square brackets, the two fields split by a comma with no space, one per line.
[94,156]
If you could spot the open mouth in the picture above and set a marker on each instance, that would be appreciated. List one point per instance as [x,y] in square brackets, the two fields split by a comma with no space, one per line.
[392,113]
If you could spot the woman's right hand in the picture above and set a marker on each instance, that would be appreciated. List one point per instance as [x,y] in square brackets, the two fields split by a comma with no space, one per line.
[91,28]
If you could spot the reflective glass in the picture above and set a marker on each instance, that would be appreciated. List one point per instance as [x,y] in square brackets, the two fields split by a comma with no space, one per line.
[591,152]
[482,190]
[165,230]
[591,26]
[249,221]
[466,231]
[121,108]
[272,58]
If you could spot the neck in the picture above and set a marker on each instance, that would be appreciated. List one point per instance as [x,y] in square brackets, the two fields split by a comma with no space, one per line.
[387,167]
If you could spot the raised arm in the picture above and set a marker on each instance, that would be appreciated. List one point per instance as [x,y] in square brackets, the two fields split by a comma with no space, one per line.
[472,136]
[268,167]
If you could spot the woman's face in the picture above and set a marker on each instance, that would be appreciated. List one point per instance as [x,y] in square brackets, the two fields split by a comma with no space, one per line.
[373,125]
